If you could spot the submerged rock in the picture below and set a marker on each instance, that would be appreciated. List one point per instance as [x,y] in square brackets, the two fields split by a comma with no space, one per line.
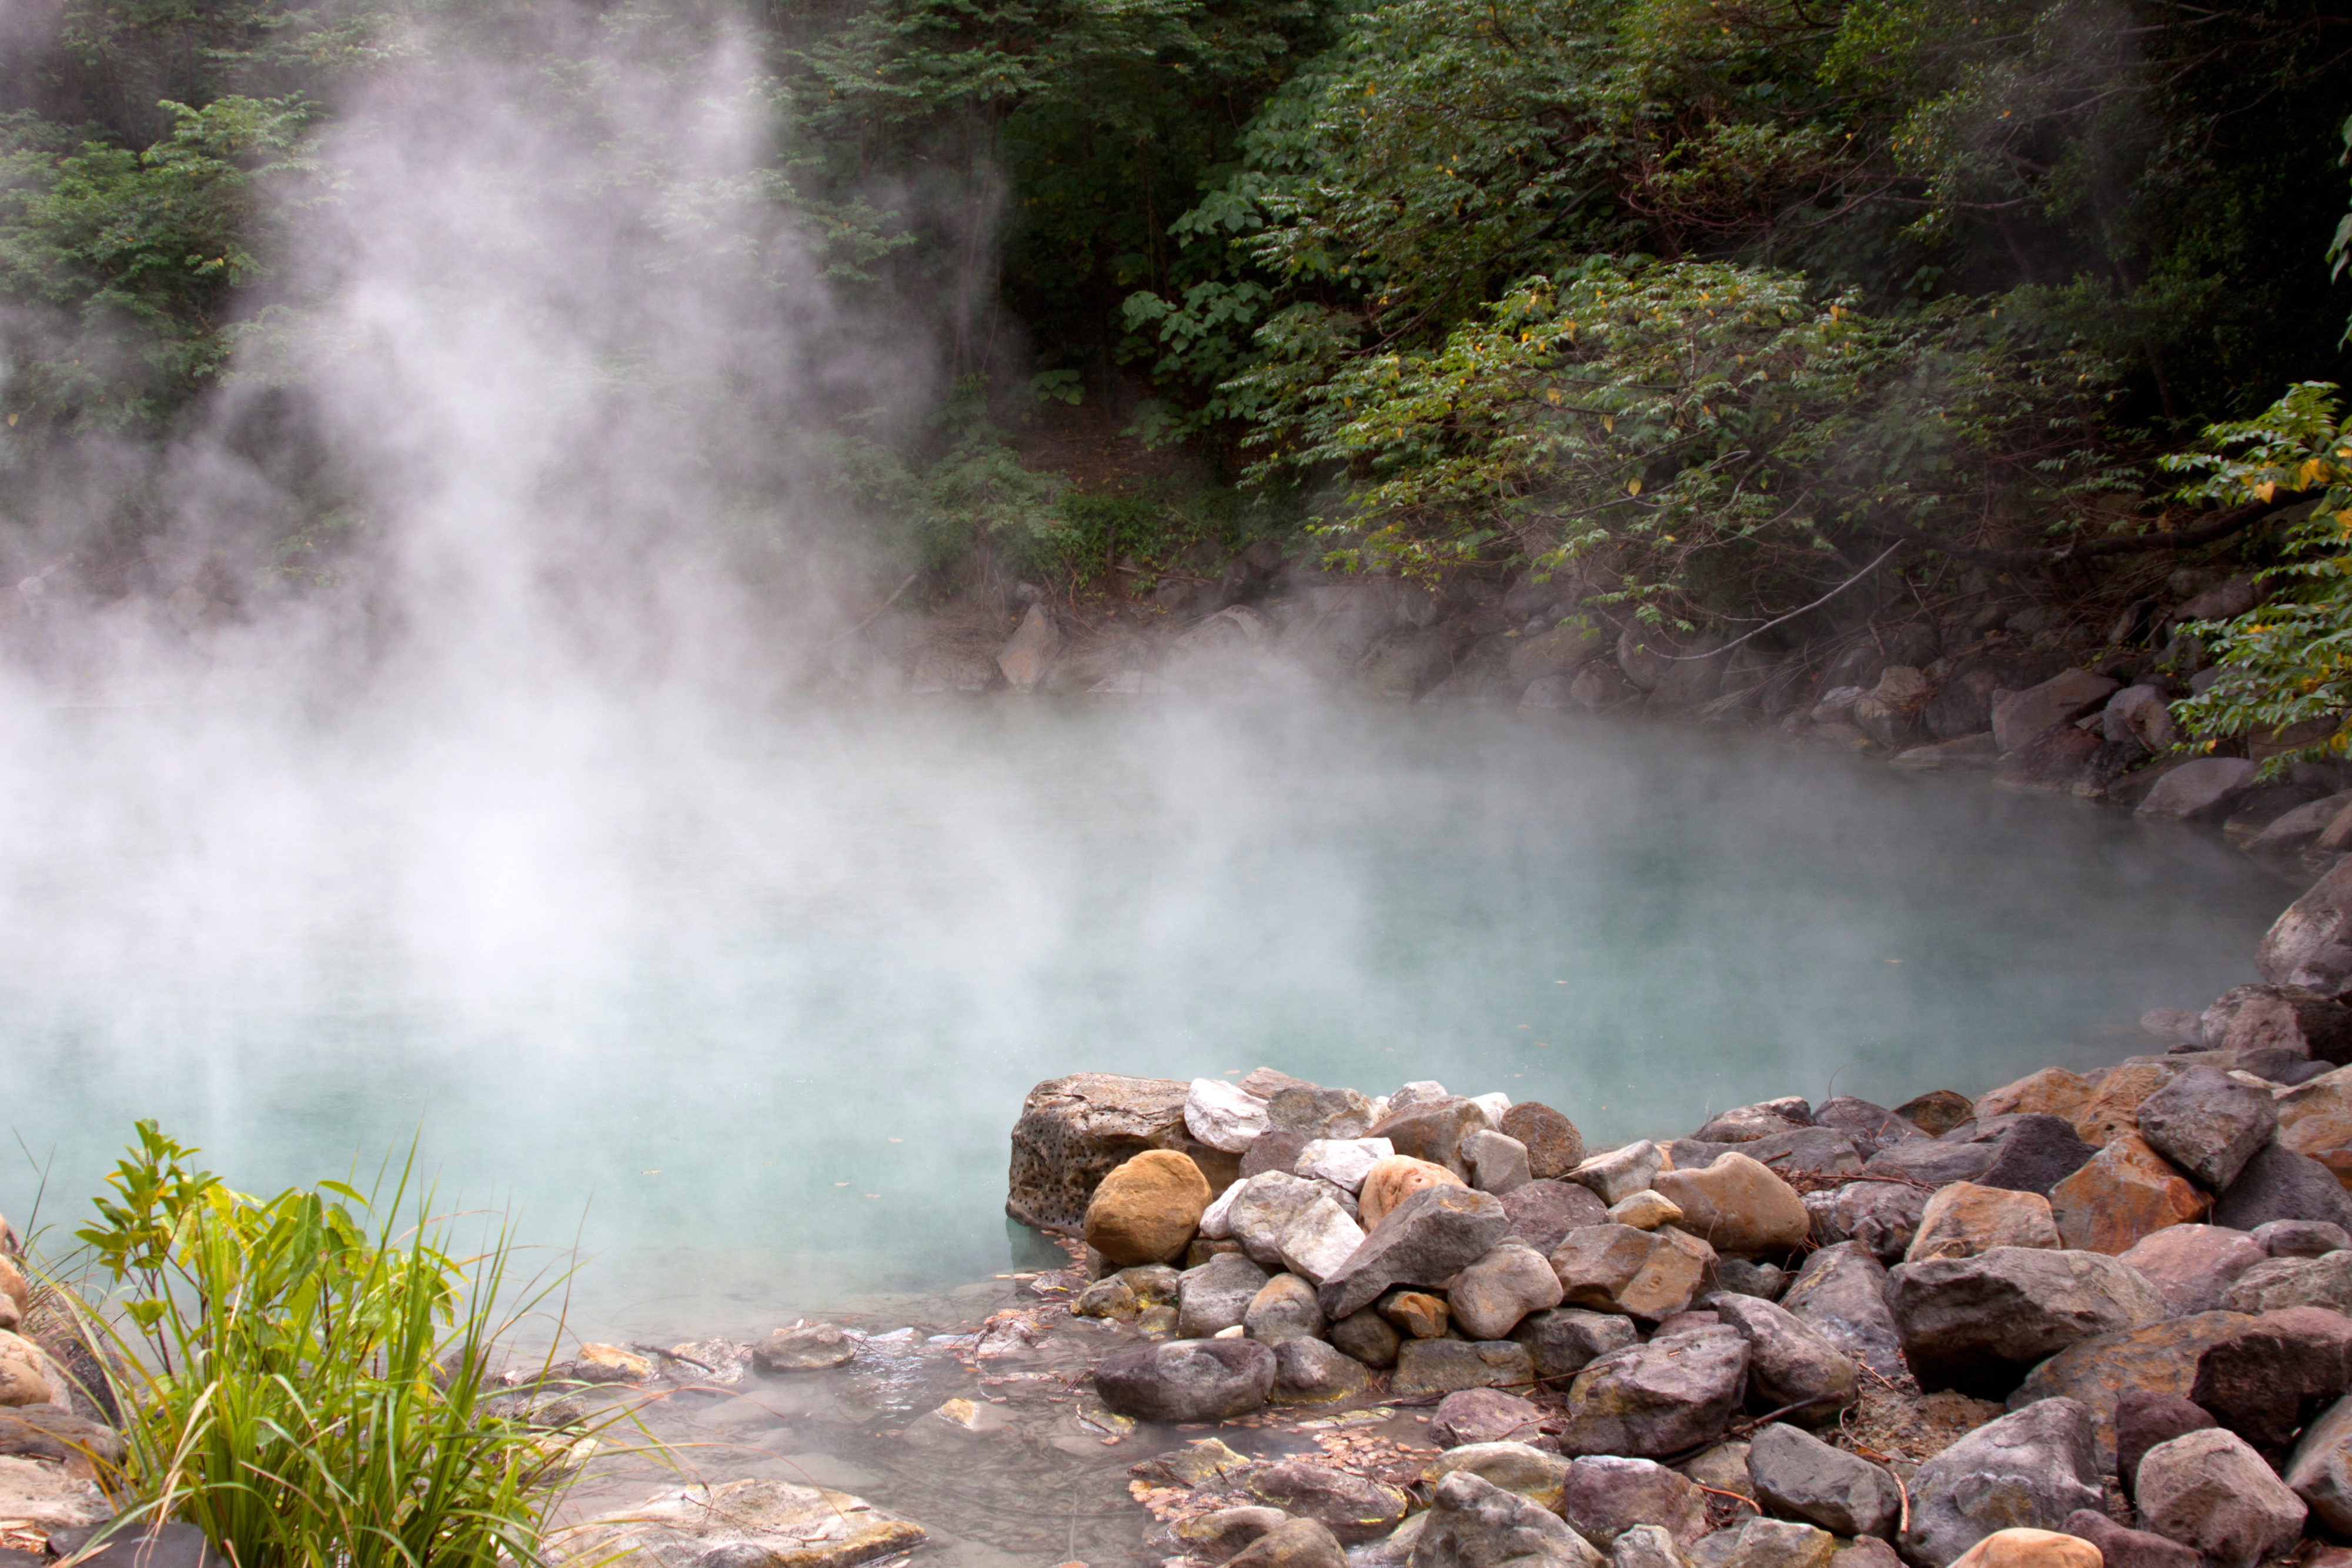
[810,1527]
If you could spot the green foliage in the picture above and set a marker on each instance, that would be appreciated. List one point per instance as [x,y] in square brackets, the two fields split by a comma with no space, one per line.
[302,1379]
[2287,661]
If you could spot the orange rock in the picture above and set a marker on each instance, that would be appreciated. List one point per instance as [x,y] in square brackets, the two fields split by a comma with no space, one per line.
[1963,1219]
[1147,1210]
[1392,1180]
[2315,1119]
[2053,1091]
[2112,1109]
[2023,1548]
[2126,1192]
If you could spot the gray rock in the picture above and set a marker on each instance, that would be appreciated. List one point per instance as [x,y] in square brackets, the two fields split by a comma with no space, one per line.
[2061,699]
[1275,1149]
[2144,1418]
[1367,1336]
[2295,1019]
[1554,1145]
[1860,1119]
[1646,1546]
[1808,1152]
[1433,1131]
[1934,1161]
[1840,1294]
[1881,1216]
[1283,1308]
[2140,715]
[2319,1471]
[1490,1297]
[1310,1372]
[1353,1508]
[1514,1467]
[1187,1380]
[2037,1153]
[1476,1415]
[1743,1122]
[1262,1209]
[2199,792]
[1319,1112]
[1978,1325]
[2030,1469]
[2266,1378]
[1428,1238]
[2211,1491]
[1443,1365]
[1473,1523]
[1775,1544]
[2296,828]
[808,1348]
[1564,1340]
[1543,1212]
[1647,1274]
[1216,1295]
[1321,1236]
[2277,1283]
[2311,944]
[2122,1548]
[1745,1277]
[2207,1124]
[2279,1183]
[1788,1363]
[2301,1237]
[1496,1162]
[1653,1400]
[1620,1173]
[1798,1476]
[2192,1267]
[1606,1495]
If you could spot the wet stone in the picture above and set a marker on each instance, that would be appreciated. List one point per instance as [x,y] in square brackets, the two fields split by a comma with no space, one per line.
[1443,1365]
[1482,1416]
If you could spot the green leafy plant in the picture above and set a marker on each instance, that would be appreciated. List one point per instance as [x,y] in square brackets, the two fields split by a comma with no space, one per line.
[301,1376]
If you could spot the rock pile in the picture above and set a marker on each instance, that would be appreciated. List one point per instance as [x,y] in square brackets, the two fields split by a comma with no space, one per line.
[2149,1266]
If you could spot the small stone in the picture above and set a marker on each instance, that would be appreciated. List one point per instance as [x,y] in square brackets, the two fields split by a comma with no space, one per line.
[1879,1216]
[1366,1336]
[1723,1468]
[1649,1274]
[1495,1162]
[2144,1419]
[1482,1416]
[1418,1313]
[1187,1380]
[1293,1543]
[2122,1548]
[2037,1153]
[1146,1210]
[1776,1543]
[1645,1210]
[1798,1476]
[1789,1366]
[2030,1549]
[1937,1111]
[1111,1298]
[1737,1206]
[2277,1283]
[1745,1277]
[1216,1295]
[807,1348]
[1443,1365]
[2125,1194]
[1319,1112]
[1283,1308]
[1472,1523]
[1840,1294]
[2209,1491]
[1354,1510]
[2192,1266]
[1514,1466]
[2208,1124]
[1866,1551]
[1154,1284]
[1392,1180]
[1275,1149]
[1657,1399]
[1488,1299]
[610,1363]
[1434,1131]
[2053,1091]
[2113,1107]
[1554,1145]
[1743,1123]
[2031,1468]
[2279,1183]
[1620,1173]
[1342,1162]
[1964,1220]
[1979,1323]
[1222,1116]
[1933,1162]
[1646,1546]
[2266,1379]
[1310,1372]
[1565,1340]
[2300,1237]
[1605,1495]
[1542,1213]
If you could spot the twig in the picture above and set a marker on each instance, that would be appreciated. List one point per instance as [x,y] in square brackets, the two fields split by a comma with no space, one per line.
[1734,1496]
[903,585]
[1816,604]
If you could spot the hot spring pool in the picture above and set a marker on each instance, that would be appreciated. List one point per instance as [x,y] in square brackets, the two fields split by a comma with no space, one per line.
[750,1008]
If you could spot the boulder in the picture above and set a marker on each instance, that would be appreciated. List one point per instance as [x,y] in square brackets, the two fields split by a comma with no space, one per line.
[1565,1340]
[2295,828]
[1146,1210]
[1776,1543]
[1543,1212]
[1937,1112]
[1292,1544]
[2138,714]
[2208,1124]
[2144,1419]
[1310,1372]
[2031,1549]
[2037,1153]
[1432,1236]
[1840,1294]
[1283,1308]
[1495,1162]
[1933,1162]
[1554,1145]
[2211,1492]
[1621,1172]
[1798,1476]
[2061,699]
[2300,1239]
[1367,1337]
[2310,946]
[1978,1325]
[1030,649]
[2029,1469]
[1319,1238]
[1222,1116]
[1879,1216]
[2200,790]
[2106,1373]
[806,1347]
[1653,1400]
[1647,1546]
[1275,1149]
[1260,1210]
[752,1519]
[1514,1466]
[1490,1297]
[1434,1131]
[2126,1193]
[1187,1380]
[2061,758]
[1737,1206]
[1353,1508]
[1477,1415]
[1392,1180]
[2268,1377]
[2122,1548]
[1342,1162]
[59,1437]
[2279,1183]
[2112,1109]
[1473,1523]
[1743,1122]
[1649,1274]
[2052,1092]
[1605,1495]
[2193,1265]
[2315,1121]
[1443,1365]
[1111,1298]
[1322,1115]
[1964,1220]
[2292,1019]
[1216,1296]
[2319,1471]
[1790,1366]
[1073,1131]
[1800,1153]
[1859,1118]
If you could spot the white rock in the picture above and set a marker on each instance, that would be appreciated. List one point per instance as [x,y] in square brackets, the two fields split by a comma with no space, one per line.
[1319,1240]
[1619,1174]
[1494,1104]
[1420,1091]
[1645,1210]
[1342,1162]
[46,1498]
[1222,1116]
[1377,1113]
[1216,1220]
[1269,1201]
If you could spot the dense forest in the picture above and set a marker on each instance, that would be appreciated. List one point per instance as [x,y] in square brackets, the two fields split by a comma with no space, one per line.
[1712,301]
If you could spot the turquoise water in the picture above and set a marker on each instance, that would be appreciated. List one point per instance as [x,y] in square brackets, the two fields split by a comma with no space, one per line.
[749,1008]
